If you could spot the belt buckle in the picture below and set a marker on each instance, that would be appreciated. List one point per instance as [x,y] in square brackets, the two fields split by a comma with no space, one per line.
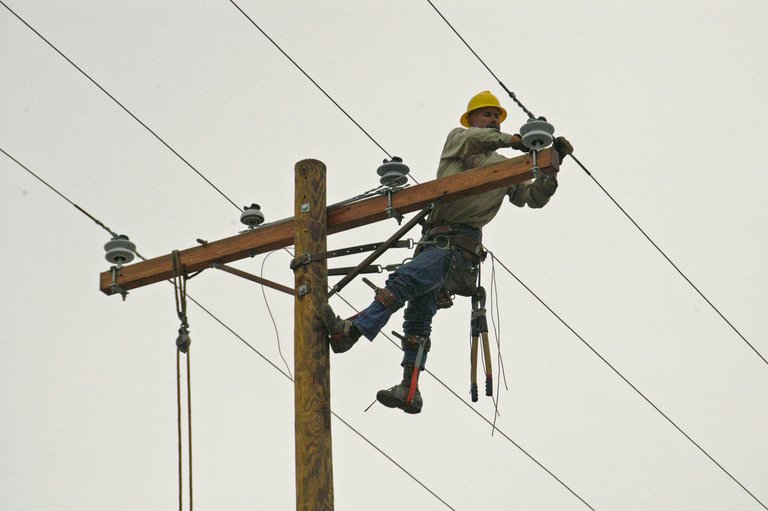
[447,241]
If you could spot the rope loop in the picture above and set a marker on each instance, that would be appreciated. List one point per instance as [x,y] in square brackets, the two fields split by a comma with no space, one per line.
[180,278]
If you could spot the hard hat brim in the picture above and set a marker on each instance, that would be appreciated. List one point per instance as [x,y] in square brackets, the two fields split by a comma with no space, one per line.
[465,118]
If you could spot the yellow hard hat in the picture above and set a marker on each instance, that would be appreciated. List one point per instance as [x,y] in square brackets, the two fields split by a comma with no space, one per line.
[482,100]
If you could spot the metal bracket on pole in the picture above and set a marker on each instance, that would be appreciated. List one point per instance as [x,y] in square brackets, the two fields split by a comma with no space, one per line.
[114,287]
[391,211]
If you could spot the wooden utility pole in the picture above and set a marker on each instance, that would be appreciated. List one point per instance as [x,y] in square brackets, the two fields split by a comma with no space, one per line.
[307,230]
[312,386]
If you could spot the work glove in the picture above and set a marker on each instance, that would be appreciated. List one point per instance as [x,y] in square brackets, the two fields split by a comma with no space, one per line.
[543,188]
[563,147]
[517,143]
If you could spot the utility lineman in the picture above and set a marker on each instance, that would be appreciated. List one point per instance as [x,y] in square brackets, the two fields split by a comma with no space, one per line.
[450,251]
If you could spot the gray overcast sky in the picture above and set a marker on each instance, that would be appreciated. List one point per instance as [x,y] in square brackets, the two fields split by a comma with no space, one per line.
[665,103]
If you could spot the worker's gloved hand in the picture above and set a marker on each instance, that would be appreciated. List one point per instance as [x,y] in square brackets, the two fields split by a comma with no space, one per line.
[543,187]
[517,143]
[563,147]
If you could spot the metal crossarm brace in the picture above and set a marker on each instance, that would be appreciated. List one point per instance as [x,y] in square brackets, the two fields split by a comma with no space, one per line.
[254,278]
[344,270]
[308,258]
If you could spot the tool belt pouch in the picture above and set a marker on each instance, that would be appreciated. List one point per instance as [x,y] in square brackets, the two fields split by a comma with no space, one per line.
[463,274]
[461,279]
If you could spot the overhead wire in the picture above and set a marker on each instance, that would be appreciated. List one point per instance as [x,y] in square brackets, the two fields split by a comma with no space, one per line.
[511,94]
[238,336]
[624,378]
[113,98]
[312,80]
[250,19]
[679,271]
[530,115]
[57,192]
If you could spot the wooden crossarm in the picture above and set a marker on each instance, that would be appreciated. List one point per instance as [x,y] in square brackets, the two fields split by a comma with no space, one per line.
[340,218]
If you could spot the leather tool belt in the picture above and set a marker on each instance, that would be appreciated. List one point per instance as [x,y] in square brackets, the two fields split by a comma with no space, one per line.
[460,279]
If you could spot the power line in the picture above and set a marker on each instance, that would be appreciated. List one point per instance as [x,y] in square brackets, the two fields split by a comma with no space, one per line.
[57,192]
[496,428]
[315,83]
[392,460]
[509,92]
[309,77]
[669,260]
[593,350]
[122,106]
[514,98]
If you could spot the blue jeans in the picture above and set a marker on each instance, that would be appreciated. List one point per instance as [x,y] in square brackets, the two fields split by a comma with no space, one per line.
[416,283]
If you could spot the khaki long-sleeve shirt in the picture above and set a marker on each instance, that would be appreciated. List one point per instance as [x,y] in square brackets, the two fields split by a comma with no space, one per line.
[469,148]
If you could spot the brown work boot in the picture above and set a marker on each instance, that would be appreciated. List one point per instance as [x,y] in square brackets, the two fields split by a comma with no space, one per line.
[395,397]
[342,333]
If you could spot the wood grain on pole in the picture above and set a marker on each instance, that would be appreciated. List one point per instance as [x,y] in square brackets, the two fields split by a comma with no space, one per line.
[312,389]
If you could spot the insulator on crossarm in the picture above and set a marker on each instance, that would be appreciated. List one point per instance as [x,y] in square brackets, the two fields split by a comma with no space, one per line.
[393,172]
[537,133]
[120,250]
[252,216]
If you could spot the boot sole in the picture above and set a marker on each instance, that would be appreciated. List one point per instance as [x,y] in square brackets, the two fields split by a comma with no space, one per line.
[393,402]
[389,401]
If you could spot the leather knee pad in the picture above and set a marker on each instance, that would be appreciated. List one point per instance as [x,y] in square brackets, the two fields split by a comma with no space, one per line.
[410,342]
[388,299]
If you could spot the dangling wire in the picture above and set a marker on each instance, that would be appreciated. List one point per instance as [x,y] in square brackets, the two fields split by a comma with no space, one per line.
[182,346]
[495,396]
[272,317]
[496,322]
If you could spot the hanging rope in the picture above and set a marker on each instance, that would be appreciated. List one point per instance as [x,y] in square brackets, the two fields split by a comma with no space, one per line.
[182,346]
